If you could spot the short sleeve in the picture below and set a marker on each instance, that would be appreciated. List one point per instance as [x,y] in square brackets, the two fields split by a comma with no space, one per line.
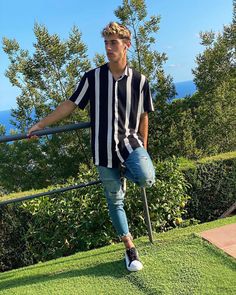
[81,94]
[147,98]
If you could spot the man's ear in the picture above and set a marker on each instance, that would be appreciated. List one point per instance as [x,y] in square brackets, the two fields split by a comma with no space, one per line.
[128,44]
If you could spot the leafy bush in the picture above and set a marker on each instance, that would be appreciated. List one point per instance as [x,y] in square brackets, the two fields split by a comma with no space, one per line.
[166,199]
[63,224]
[79,220]
[14,250]
[213,189]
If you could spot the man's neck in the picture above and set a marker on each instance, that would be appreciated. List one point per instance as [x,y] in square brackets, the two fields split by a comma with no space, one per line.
[118,68]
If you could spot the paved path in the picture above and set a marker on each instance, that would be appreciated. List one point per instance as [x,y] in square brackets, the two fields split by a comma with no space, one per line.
[223,237]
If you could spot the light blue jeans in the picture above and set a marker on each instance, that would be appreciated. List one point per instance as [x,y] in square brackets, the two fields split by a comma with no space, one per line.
[140,170]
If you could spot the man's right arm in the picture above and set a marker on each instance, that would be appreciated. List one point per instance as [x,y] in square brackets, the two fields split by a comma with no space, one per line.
[61,112]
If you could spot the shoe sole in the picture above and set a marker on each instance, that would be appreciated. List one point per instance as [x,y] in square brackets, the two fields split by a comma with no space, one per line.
[135,268]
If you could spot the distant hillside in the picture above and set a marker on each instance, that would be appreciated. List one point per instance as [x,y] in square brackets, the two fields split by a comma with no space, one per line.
[182,88]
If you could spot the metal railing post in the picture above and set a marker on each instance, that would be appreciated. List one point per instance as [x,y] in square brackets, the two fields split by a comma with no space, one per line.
[146,214]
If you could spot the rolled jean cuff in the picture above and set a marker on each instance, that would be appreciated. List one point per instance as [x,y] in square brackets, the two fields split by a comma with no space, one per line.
[128,235]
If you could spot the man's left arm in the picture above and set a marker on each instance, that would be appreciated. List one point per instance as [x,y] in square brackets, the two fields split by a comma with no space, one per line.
[143,128]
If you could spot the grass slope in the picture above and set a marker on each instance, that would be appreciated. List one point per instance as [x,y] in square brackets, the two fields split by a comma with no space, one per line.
[179,262]
[186,164]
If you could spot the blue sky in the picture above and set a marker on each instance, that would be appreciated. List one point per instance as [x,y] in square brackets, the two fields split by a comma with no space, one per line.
[181,22]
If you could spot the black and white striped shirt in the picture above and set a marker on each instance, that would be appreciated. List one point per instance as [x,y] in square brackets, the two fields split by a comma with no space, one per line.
[115,110]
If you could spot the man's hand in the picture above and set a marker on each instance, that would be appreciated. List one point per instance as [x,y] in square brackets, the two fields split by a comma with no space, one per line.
[61,112]
[35,127]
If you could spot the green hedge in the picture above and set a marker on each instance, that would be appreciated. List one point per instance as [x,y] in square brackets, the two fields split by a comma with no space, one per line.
[14,248]
[213,187]
[51,227]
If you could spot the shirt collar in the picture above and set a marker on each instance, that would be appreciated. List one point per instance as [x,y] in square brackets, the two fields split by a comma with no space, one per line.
[125,73]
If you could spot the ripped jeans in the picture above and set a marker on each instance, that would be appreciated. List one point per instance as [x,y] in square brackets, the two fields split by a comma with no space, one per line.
[140,170]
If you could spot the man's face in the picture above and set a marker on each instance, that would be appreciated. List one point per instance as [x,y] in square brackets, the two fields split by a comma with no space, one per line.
[115,48]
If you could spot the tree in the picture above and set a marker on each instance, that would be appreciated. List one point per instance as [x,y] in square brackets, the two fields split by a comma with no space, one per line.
[216,120]
[217,63]
[178,137]
[215,79]
[205,123]
[46,78]
[147,60]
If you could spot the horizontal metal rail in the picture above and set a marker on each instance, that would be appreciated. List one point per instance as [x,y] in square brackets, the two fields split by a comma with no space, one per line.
[49,193]
[71,127]
[46,131]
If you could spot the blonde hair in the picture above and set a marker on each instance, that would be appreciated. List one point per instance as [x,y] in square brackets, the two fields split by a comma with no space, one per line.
[114,28]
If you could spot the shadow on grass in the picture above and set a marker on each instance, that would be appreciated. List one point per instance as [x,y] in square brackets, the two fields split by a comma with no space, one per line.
[73,259]
[5,276]
[113,269]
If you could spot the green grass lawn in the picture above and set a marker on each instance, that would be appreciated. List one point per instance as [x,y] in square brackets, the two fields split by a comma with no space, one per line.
[186,164]
[179,262]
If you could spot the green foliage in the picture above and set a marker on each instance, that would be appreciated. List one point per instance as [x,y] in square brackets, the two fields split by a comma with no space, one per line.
[14,249]
[215,79]
[79,219]
[205,123]
[219,157]
[48,76]
[68,223]
[213,189]
[216,121]
[186,164]
[177,131]
[36,164]
[193,127]
[217,63]
[45,78]
[166,198]
[99,59]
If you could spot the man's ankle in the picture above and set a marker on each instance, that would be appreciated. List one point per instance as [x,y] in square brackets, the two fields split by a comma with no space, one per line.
[128,242]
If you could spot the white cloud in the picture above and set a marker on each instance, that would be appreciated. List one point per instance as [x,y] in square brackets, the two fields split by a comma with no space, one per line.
[174,66]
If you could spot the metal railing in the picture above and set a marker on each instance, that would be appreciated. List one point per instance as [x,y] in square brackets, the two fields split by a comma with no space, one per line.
[59,129]
[46,131]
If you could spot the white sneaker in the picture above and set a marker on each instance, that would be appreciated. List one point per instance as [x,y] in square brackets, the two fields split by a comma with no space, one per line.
[132,261]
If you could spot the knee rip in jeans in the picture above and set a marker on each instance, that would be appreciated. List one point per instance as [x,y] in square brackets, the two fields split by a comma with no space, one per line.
[143,158]
[149,182]
[146,182]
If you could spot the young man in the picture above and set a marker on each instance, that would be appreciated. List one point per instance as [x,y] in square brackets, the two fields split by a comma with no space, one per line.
[120,100]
